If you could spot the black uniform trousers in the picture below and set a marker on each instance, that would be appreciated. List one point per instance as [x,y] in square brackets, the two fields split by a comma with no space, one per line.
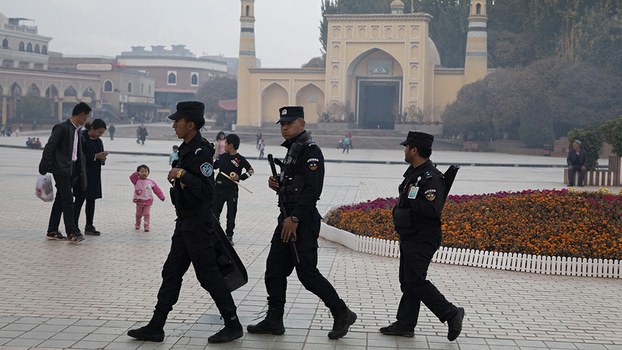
[229,195]
[281,262]
[63,202]
[416,253]
[192,242]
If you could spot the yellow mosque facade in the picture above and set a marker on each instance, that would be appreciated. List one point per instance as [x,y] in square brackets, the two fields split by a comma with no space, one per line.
[381,70]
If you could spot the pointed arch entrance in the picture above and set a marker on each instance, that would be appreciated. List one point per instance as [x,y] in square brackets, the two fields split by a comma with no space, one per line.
[375,80]
[311,98]
[272,98]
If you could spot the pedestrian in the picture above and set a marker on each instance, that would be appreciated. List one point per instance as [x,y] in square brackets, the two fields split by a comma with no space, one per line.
[63,157]
[577,163]
[299,187]
[351,143]
[261,148]
[417,220]
[144,188]
[94,158]
[174,156]
[8,130]
[193,239]
[346,144]
[111,130]
[259,137]
[141,134]
[231,165]
[36,144]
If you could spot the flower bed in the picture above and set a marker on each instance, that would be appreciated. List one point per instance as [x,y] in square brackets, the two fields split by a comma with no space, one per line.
[550,222]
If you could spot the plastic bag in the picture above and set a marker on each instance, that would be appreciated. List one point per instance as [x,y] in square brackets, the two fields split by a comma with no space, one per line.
[44,189]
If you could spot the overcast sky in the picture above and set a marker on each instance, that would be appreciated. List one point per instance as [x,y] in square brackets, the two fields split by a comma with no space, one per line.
[286,31]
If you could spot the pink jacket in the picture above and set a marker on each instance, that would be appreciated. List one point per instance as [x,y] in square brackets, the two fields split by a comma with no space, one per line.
[144,189]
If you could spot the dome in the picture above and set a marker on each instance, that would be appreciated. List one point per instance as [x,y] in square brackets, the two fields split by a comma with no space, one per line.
[397,7]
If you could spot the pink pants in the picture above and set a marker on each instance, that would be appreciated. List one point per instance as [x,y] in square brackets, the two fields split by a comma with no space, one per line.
[143,211]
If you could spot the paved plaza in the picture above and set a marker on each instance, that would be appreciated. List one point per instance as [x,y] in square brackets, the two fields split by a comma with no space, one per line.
[58,295]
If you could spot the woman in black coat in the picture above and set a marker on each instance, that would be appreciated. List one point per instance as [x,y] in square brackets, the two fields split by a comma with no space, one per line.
[95,157]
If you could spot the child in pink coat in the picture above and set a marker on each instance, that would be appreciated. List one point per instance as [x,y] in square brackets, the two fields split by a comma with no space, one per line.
[143,194]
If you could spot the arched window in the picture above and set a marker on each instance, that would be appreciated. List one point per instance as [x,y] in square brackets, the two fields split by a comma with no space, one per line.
[172,78]
[44,50]
[248,10]
[37,48]
[21,46]
[194,79]
[5,44]
[107,86]
[478,9]
[129,86]
[29,47]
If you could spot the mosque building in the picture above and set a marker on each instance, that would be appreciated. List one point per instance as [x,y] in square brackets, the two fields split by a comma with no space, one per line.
[379,68]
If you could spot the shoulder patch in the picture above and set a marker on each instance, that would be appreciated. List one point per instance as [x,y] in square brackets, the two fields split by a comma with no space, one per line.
[313,163]
[198,150]
[430,194]
[312,144]
[207,169]
[428,175]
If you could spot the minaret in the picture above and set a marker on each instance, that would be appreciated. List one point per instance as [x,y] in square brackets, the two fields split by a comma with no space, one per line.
[476,61]
[246,60]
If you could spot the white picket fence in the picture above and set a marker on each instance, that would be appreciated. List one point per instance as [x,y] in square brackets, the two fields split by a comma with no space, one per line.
[549,265]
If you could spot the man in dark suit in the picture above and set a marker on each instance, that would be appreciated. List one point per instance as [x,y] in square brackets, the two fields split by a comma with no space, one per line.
[64,158]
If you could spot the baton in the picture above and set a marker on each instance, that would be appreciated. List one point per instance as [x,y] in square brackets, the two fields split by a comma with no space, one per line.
[236,182]
[292,240]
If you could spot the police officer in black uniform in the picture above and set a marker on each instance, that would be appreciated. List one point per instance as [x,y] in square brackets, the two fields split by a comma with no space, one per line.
[417,220]
[299,187]
[193,239]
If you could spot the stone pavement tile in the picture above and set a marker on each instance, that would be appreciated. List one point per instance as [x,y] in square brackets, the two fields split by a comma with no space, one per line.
[613,347]
[23,327]
[591,346]
[560,345]
[313,346]
[94,337]
[287,346]
[254,344]
[10,334]
[27,342]
[534,344]
[90,345]
[474,347]
[123,345]
[55,343]
[38,335]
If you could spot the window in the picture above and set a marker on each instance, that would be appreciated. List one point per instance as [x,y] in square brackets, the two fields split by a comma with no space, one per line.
[248,10]
[149,90]
[44,50]
[29,47]
[194,79]
[37,48]
[142,89]
[478,9]
[172,78]
[21,46]
[129,86]
[5,44]
[107,86]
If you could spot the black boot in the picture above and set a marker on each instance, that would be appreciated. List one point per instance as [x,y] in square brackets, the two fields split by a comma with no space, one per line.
[147,333]
[455,325]
[272,324]
[232,331]
[396,328]
[344,318]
